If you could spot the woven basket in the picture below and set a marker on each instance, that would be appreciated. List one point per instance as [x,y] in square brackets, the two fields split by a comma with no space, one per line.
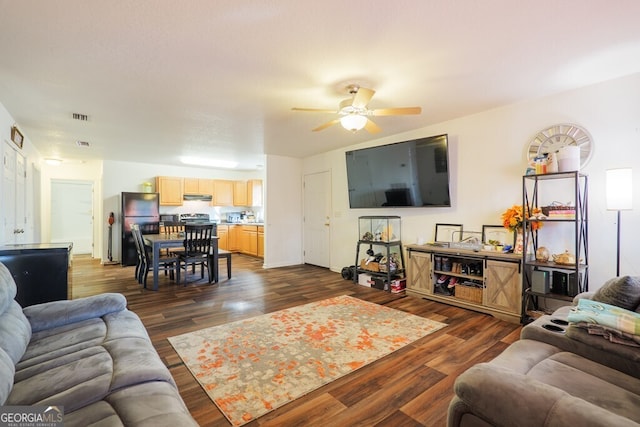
[469,293]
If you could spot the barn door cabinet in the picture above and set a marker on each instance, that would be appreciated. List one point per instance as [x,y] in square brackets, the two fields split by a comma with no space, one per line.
[484,281]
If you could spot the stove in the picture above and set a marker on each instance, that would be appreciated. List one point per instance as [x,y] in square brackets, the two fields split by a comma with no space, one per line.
[195,218]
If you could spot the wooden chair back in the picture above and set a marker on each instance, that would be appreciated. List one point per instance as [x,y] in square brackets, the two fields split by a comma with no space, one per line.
[197,240]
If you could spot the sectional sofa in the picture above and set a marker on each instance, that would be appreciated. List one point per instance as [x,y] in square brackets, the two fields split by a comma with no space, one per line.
[562,372]
[90,357]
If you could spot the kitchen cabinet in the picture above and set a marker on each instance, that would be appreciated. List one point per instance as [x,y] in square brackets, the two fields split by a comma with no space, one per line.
[485,281]
[170,189]
[240,194]
[222,192]
[261,241]
[254,192]
[198,186]
[234,237]
[190,185]
[249,240]
[223,236]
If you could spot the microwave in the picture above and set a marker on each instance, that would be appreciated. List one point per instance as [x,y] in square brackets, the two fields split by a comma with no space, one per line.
[169,218]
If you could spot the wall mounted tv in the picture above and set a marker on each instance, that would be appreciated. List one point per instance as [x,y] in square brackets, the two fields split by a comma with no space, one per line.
[411,173]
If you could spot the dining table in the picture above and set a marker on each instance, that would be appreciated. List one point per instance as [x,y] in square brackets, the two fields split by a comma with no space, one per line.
[157,242]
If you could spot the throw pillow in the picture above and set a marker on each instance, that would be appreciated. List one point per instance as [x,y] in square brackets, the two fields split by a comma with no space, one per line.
[620,291]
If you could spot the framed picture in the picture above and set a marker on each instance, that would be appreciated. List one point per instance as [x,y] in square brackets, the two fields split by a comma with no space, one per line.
[16,136]
[497,235]
[448,232]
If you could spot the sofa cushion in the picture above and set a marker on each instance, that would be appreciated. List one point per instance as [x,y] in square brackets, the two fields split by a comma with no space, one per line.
[581,378]
[58,362]
[15,332]
[8,289]
[58,313]
[7,370]
[577,340]
[81,381]
[620,291]
[153,404]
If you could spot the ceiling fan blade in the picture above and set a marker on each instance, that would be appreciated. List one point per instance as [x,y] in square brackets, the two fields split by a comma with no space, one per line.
[395,111]
[371,127]
[326,125]
[314,110]
[362,97]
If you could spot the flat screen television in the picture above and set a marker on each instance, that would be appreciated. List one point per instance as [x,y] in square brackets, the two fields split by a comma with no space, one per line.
[411,173]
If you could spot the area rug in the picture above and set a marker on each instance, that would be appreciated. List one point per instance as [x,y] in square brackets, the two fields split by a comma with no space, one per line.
[253,366]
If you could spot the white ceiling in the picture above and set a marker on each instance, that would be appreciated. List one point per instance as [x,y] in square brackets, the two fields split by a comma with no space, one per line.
[161,79]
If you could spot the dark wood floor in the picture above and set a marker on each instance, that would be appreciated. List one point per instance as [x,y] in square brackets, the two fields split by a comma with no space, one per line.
[411,387]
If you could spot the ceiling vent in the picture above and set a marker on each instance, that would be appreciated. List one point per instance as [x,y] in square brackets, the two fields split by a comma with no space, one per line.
[81,117]
[82,143]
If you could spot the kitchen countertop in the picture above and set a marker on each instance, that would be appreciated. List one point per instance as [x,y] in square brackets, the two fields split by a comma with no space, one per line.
[240,223]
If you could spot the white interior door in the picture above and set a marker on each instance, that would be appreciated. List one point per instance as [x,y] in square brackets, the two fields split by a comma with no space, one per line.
[317,218]
[13,196]
[72,214]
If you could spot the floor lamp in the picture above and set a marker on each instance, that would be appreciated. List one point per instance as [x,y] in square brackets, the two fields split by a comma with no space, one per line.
[618,189]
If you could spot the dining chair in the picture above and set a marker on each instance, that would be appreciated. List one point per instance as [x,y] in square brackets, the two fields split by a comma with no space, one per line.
[197,246]
[135,229]
[222,254]
[167,263]
[173,228]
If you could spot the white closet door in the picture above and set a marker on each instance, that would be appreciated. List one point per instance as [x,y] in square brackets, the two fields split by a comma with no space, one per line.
[72,214]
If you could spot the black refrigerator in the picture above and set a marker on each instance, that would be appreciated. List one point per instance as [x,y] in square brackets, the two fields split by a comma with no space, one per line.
[142,209]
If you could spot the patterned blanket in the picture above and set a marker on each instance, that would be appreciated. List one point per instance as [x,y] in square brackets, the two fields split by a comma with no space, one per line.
[604,319]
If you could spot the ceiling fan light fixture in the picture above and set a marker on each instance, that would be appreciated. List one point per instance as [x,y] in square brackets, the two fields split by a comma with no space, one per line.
[353,122]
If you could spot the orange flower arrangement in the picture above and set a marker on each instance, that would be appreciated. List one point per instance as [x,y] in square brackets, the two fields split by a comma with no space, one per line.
[513,218]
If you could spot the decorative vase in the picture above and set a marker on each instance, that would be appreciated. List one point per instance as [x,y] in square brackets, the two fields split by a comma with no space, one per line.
[518,248]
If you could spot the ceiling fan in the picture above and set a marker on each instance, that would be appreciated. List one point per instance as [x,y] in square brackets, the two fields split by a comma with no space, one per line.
[354,112]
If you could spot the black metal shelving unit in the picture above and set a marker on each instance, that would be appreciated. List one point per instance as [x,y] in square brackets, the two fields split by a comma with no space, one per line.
[575,275]
[387,243]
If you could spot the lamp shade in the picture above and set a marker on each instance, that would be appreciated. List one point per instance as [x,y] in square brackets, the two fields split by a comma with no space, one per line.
[618,188]
[353,122]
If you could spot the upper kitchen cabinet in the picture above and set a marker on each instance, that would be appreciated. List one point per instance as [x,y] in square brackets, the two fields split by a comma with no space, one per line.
[240,194]
[198,186]
[170,189]
[222,192]
[254,191]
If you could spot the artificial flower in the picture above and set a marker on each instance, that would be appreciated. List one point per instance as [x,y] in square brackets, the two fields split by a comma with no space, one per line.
[513,218]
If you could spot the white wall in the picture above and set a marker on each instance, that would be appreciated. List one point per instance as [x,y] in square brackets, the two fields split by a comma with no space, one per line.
[283,212]
[487,154]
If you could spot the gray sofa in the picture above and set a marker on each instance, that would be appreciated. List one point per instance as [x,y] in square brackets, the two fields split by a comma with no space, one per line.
[91,356]
[557,374]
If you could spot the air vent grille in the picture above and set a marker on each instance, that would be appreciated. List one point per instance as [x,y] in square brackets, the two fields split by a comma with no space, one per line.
[82,143]
[81,117]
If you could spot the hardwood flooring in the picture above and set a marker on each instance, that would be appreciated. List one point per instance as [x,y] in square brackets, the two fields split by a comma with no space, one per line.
[411,387]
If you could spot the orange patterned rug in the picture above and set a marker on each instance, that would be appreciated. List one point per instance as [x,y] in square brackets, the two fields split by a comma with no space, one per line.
[253,366]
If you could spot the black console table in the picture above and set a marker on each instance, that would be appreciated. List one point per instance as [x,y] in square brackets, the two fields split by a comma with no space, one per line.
[40,271]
